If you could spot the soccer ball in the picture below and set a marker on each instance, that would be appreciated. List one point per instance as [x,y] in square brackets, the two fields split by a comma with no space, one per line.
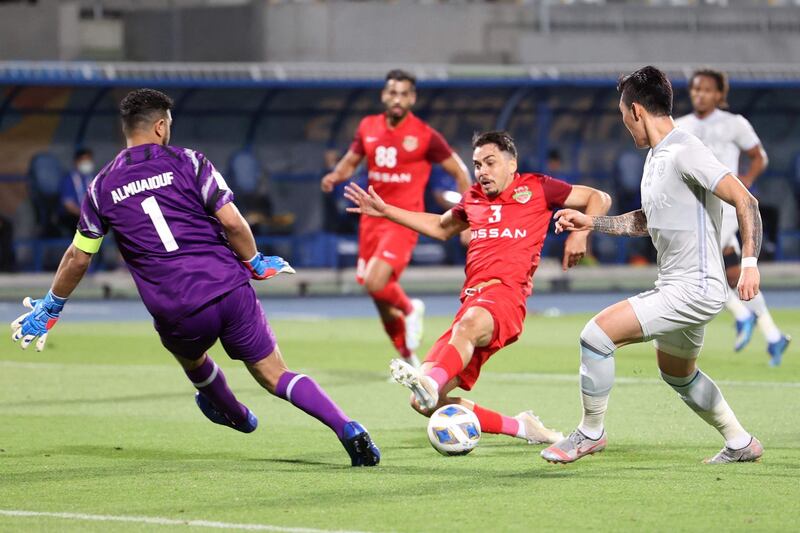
[454,430]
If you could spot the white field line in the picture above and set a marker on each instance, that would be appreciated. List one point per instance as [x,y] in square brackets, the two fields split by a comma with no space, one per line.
[165,521]
[520,377]
[574,378]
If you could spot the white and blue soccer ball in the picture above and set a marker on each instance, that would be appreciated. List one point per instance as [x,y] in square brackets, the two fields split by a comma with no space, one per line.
[454,430]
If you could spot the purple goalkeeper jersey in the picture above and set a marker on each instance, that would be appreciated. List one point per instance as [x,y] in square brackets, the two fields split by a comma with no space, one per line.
[160,201]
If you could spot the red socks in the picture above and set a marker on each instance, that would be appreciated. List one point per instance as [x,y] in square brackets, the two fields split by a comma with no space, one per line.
[447,364]
[394,295]
[396,329]
[494,422]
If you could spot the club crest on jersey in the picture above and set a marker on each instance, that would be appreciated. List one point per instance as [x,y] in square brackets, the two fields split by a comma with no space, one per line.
[410,143]
[522,194]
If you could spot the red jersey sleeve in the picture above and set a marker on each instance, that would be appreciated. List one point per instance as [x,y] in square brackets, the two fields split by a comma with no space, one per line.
[357,146]
[555,191]
[459,211]
[438,149]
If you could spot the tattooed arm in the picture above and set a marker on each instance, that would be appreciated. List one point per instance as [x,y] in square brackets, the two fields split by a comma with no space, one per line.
[633,224]
[731,190]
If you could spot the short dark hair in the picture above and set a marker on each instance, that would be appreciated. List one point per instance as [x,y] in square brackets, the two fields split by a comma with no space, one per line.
[81,152]
[143,107]
[719,77]
[402,75]
[648,87]
[502,139]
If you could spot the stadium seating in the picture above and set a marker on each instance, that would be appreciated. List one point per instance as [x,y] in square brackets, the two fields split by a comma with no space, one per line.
[284,132]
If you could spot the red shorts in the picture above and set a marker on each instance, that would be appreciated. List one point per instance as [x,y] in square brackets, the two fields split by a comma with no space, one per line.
[507,307]
[388,242]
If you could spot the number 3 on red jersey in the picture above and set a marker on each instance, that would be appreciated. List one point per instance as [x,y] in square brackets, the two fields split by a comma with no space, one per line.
[496,213]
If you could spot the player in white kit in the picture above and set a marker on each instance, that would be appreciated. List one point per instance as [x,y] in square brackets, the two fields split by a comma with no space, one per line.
[682,188]
[728,135]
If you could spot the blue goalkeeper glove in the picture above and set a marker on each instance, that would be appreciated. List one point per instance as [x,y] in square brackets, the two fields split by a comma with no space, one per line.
[267,266]
[39,321]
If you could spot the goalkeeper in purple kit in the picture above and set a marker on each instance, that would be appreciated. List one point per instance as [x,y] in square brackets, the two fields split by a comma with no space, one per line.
[191,255]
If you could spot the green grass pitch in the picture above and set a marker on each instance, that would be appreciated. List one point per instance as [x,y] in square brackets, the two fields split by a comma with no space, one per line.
[103,422]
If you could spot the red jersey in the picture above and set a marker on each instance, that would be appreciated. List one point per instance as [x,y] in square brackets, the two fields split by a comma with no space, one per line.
[399,159]
[508,231]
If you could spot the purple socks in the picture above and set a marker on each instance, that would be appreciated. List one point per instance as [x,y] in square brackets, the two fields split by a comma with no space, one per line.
[210,381]
[304,393]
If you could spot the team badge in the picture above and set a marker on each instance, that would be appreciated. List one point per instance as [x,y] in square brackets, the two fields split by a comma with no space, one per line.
[522,194]
[660,167]
[410,143]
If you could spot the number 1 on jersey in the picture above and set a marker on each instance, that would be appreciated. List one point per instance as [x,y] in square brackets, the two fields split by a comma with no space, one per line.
[150,206]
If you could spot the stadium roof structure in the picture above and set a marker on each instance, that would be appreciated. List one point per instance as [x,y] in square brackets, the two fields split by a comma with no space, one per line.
[308,74]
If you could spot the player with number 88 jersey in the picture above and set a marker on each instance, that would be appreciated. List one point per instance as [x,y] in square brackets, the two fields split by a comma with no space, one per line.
[399,149]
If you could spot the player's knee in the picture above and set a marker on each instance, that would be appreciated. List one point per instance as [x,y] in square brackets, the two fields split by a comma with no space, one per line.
[597,360]
[595,339]
[468,327]
[375,285]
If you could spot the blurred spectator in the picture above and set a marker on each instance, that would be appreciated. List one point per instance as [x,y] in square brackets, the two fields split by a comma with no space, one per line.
[73,187]
[554,162]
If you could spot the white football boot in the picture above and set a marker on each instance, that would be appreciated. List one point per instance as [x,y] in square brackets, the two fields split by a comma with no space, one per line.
[752,452]
[424,388]
[535,431]
[573,447]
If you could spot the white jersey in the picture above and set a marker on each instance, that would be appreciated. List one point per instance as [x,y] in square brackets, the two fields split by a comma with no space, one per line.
[684,217]
[728,135]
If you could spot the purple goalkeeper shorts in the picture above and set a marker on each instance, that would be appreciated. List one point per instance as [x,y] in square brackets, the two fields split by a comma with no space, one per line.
[235,318]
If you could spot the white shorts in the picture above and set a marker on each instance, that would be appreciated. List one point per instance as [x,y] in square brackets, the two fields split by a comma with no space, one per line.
[675,318]
[730,227]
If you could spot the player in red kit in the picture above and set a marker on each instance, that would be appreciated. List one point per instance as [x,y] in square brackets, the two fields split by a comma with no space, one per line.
[508,215]
[399,149]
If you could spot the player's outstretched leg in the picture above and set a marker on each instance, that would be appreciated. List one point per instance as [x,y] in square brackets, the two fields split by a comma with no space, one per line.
[525,425]
[446,359]
[597,379]
[305,394]
[214,398]
[703,396]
